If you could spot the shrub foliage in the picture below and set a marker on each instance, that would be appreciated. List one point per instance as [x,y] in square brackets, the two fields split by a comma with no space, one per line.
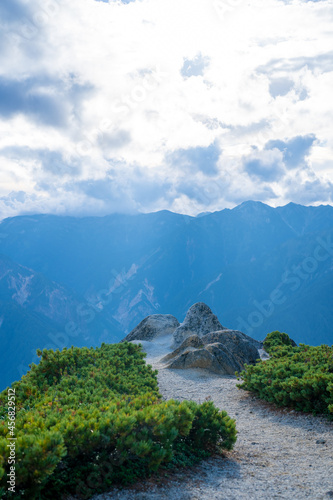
[298,377]
[90,418]
[277,339]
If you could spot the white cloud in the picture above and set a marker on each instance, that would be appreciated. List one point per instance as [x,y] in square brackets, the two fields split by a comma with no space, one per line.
[101,86]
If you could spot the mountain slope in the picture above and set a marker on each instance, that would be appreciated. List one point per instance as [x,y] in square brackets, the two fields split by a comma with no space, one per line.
[38,313]
[257,267]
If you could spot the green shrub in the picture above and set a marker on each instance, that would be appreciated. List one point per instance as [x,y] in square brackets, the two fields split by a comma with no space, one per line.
[277,340]
[298,377]
[87,419]
[211,427]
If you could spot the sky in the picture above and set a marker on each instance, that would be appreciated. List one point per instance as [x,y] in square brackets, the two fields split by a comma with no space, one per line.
[145,105]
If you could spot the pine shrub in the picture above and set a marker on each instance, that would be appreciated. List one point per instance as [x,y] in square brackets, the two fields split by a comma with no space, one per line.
[298,377]
[87,419]
[276,340]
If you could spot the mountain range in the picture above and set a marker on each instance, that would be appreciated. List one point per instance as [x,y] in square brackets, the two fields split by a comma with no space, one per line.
[82,281]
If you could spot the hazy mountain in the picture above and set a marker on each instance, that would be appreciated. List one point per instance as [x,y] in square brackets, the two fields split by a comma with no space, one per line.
[257,267]
[36,312]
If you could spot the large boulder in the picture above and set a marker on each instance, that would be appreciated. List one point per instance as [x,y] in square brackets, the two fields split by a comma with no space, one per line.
[153,326]
[223,352]
[199,358]
[199,320]
[244,348]
[190,343]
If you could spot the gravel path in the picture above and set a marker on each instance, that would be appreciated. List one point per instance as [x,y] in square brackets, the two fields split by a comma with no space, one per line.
[279,454]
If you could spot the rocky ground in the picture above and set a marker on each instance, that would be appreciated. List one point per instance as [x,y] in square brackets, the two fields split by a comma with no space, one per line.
[279,454]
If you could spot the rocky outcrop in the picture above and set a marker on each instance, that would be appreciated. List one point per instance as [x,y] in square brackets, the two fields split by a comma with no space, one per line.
[152,327]
[199,358]
[244,348]
[199,342]
[192,353]
[224,352]
[199,320]
[191,343]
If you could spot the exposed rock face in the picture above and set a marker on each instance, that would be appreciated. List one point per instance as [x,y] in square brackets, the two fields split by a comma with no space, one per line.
[191,343]
[223,352]
[152,327]
[199,358]
[194,354]
[199,320]
[244,348]
[199,342]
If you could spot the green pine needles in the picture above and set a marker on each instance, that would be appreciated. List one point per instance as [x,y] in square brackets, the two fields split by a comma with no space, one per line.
[277,339]
[299,377]
[87,419]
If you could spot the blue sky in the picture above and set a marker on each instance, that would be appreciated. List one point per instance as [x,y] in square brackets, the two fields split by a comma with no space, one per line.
[143,105]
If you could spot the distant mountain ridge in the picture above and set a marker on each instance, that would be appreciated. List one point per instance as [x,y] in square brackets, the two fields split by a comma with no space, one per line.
[259,268]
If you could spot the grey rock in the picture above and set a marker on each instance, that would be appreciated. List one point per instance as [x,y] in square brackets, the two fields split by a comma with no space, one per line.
[228,363]
[199,342]
[264,356]
[194,341]
[152,327]
[198,358]
[244,348]
[223,352]
[231,336]
[199,320]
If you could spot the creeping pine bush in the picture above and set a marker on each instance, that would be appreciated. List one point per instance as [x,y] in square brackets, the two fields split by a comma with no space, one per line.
[276,340]
[298,377]
[87,419]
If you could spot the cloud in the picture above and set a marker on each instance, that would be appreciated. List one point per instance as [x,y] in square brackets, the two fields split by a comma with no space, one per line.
[21,97]
[196,159]
[23,31]
[44,100]
[280,86]
[103,189]
[112,141]
[54,163]
[225,191]
[308,191]
[294,150]
[322,62]
[122,189]
[13,10]
[203,195]
[267,168]
[195,67]
[247,130]
[51,162]
[14,198]
[112,107]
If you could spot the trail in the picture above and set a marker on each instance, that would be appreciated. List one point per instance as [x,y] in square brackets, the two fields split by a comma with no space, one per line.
[279,454]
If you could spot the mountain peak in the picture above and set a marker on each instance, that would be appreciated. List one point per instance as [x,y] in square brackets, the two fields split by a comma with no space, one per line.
[252,205]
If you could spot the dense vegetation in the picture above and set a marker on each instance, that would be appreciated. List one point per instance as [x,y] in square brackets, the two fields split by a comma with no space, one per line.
[277,339]
[90,418]
[299,377]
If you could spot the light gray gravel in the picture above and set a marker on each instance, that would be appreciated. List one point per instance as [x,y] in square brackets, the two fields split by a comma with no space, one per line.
[279,454]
